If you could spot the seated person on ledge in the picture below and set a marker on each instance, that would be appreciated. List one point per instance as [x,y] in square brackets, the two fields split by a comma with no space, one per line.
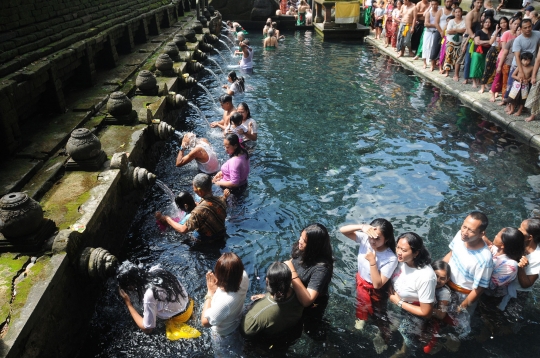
[207,219]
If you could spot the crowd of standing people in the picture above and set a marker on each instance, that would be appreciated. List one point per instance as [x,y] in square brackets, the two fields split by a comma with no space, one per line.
[498,56]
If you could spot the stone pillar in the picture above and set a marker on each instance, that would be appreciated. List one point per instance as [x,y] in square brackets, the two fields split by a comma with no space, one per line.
[9,123]
[318,10]
[198,10]
[328,12]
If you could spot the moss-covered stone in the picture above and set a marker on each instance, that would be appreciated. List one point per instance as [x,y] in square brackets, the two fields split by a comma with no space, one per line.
[10,264]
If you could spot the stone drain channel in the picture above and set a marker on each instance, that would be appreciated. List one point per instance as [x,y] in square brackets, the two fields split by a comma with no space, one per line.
[89,195]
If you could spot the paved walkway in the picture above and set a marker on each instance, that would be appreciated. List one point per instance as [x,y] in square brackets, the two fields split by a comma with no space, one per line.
[526,132]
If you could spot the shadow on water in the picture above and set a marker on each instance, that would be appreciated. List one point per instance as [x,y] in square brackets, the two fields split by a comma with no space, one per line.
[345,135]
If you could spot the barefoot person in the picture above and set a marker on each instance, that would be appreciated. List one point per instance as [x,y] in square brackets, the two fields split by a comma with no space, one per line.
[406,27]
[454,36]
[432,32]
[521,85]
[503,60]
[482,44]
[472,24]
[201,151]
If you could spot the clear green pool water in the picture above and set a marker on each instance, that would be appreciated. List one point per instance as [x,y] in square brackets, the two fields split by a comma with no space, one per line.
[345,135]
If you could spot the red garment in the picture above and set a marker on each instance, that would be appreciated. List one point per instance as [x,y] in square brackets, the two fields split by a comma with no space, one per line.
[366,297]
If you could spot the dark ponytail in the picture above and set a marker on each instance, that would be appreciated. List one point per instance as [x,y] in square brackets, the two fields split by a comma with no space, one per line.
[279,279]
[233,139]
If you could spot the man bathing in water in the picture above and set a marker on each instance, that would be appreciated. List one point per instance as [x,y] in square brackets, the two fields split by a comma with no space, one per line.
[406,27]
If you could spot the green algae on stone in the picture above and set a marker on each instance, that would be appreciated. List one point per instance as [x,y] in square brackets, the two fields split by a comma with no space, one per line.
[61,204]
[9,266]
[37,273]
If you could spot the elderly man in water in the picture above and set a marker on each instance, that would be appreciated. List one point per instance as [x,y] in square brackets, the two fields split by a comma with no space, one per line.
[207,220]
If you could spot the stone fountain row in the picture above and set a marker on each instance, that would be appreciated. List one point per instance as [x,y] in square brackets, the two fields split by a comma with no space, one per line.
[21,218]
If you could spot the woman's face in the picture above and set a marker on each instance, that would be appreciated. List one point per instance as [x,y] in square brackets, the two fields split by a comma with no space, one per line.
[442,278]
[302,242]
[242,111]
[523,228]
[404,252]
[229,79]
[498,243]
[457,14]
[228,147]
[503,24]
[487,24]
[379,242]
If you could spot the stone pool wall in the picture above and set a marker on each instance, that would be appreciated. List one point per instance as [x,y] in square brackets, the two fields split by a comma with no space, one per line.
[47,297]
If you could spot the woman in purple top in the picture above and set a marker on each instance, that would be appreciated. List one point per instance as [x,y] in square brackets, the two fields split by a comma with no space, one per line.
[235,171]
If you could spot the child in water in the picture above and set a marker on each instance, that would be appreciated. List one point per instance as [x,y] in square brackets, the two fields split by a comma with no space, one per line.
[184,201]
[236,125]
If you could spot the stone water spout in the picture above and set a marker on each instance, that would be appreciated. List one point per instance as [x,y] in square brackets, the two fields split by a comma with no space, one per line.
[97,263]
[146,82]
[199,56]
[133,177]
[205,47]
[162,130]
[187,81]
[22,223]
[176,100]
[194,66]
[84,149]
[210,38]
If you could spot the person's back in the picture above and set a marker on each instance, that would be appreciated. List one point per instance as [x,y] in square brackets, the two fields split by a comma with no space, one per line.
[269,318]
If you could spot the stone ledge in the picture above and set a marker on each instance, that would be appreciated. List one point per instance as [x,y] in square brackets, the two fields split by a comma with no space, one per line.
[528,133]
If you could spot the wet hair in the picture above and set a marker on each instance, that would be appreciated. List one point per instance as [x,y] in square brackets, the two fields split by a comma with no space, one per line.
[239,80]
[229,270]
[236,118]
[233,139]
[533,228]
[441,265]
[526,56]
[279,278]
[191,139]
[224,98]
[271,32]
[513,241]
[417,245]
[268,23]
[318,247]
[203,182]
[274,24]
[245,107]
[135,278]
[477,215]
[184,199]
[387,230]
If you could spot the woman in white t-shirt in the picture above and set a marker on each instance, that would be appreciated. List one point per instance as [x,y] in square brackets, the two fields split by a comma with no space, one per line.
[377,261]
[222,309]
[162,296]
[413,290]
[248,122]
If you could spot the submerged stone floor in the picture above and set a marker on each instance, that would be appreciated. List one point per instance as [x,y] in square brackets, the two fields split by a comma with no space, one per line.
[526,132]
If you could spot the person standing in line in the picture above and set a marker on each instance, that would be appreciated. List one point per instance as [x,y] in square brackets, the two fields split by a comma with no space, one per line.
[226,287]
[406,27]
[470,262]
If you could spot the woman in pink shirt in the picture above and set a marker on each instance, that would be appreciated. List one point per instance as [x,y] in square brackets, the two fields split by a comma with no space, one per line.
[235,171]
